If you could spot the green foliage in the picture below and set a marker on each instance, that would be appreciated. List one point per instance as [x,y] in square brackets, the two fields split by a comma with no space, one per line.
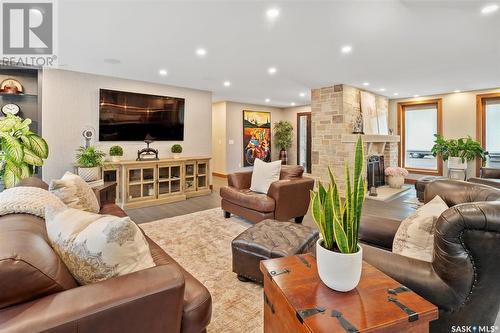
[21,150]
[89,157]
[176,149]
[283,134]
[339,222]
[465,148]
[116,151]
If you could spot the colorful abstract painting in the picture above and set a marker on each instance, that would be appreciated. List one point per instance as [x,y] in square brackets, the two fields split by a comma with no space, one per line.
[256,137]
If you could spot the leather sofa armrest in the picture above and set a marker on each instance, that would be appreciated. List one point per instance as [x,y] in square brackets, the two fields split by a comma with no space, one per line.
[378,231]
[240,180]
[291,196]
[150,300]
[489,173]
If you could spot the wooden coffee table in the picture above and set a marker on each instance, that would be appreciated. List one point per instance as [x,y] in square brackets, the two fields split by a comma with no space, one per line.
[295,300]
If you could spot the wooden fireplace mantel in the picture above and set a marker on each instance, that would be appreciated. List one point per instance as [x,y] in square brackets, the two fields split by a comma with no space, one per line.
[375,142]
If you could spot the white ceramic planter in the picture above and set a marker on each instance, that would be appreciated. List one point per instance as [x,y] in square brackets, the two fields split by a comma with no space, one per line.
[395,181]
[116,159]
[339,271]
[456,163]
[176,155]
[89,174]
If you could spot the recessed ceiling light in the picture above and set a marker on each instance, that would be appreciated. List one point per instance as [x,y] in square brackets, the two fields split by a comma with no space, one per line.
[292,104]
[302,94]
[416,95]
[381,89]
[272,13]
[267,100]
[457,91]
[395,94]
[366,84]
[272,70]
[227,83]
[201,52]
[346,49]
[489,9]
[163,72]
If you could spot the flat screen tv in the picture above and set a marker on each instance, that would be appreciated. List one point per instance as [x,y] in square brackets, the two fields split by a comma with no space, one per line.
[126,116]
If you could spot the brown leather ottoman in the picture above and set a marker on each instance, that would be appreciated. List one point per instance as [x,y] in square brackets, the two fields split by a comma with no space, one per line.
[269,239]
[421,183]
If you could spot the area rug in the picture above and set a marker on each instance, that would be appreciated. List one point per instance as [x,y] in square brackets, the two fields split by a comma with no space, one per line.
[385,193]
[201,243]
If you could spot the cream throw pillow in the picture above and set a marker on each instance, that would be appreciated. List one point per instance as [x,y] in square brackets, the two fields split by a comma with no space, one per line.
[415,235]
[264,174]
[96,247]
[75,192]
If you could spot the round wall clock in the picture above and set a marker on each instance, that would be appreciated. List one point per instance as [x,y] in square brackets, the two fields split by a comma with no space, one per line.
[11,86]
[10,108]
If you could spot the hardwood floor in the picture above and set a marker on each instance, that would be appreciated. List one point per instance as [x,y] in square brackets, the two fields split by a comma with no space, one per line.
[396,208]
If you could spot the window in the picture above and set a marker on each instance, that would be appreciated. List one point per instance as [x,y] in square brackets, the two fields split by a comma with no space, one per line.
[418,121]
[488,123]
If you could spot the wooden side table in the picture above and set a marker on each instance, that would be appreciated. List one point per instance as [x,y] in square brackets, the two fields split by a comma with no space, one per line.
[105,193]
[295,300]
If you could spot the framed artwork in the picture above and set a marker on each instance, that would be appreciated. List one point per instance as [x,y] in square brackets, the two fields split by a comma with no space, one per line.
[369,111]
[256,136]
[382,120]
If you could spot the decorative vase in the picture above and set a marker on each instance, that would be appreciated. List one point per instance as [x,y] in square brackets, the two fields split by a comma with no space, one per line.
[339,271]
[176,155]
[115,159]
[283,156]
[456,163]
[89,174]
[395,181]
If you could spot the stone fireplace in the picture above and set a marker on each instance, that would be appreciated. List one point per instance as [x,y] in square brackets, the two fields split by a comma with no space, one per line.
[333,110]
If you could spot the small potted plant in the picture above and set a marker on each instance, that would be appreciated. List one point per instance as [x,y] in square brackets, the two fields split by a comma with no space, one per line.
[283,135]
[89,161]
[116,152]
[458,151]
[338,254]
[396,176]
[176,150]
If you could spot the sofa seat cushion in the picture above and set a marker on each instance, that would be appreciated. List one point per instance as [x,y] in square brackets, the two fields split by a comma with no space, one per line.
[248,199]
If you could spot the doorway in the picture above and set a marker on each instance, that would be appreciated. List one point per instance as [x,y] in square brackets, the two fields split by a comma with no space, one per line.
[304,140]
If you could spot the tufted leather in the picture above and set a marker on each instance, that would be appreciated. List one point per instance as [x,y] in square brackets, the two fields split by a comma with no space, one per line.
[454,192]
[269,239]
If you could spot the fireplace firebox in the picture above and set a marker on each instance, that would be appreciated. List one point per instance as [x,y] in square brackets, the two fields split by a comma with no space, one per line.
[375,171]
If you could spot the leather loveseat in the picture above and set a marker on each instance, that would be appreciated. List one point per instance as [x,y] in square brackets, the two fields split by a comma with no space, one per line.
[488,176]
[286,199]
[462,279]
[38,294]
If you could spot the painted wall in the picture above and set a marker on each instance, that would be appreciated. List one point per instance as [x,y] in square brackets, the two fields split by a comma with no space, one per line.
[219,141]
[70,101]
[459,115]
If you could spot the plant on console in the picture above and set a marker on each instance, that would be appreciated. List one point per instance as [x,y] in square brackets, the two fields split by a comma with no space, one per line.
[89,160]
[115,152]
[176,150]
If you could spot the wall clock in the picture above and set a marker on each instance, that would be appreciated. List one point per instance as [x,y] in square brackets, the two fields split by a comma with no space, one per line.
[11,86]
[10,108]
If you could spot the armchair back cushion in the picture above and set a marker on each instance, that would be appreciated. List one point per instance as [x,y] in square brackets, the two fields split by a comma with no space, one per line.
[291,172]
[490,173]
[264,174]
[455,192]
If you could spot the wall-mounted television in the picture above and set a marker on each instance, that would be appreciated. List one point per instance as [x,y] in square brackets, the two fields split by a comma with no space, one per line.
[127,116]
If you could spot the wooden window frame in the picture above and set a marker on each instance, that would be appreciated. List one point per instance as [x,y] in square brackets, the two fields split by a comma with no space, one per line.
[309,139]
[481,122]
[401,131]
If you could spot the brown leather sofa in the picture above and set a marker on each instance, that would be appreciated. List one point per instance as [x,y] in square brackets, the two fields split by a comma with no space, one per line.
[462,279]
[38,294]
[488,176]
[286,199]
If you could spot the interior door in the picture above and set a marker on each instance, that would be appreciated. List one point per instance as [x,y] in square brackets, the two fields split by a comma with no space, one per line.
[304,140]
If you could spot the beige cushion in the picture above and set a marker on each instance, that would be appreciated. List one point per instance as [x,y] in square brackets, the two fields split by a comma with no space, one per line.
[96,247]
[75,192]
[27,200]
[264,174]
[415,235]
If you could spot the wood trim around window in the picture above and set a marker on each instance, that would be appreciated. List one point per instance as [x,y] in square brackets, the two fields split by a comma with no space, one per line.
[481,122]
[401,131]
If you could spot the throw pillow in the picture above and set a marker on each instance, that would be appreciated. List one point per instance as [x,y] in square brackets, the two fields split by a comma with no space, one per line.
[264,174]
[415,235]
[27,200]
[96,247]
[75,192]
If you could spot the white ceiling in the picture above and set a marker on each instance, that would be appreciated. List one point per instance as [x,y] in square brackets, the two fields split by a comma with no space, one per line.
[408,47]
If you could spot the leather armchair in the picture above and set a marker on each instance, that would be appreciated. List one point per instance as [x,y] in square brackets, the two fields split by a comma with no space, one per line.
[462,279]
[286,199]
[488,176]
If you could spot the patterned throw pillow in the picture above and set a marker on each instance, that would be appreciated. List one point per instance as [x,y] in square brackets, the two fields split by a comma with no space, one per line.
[75,192]
[415,235]
[96,247]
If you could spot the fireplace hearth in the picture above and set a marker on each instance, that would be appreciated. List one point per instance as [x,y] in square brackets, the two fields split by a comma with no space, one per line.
[375,176]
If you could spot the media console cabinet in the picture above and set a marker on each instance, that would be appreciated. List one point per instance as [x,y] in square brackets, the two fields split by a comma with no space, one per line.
[155,182]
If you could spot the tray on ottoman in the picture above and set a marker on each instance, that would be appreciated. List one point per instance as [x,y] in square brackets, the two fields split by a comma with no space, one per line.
[269,239]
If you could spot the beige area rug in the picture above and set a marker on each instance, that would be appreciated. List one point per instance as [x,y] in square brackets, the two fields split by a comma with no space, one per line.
[201,243]
[385,193]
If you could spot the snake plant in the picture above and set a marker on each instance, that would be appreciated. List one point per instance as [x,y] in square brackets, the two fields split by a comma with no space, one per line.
[339,222]
[22,150]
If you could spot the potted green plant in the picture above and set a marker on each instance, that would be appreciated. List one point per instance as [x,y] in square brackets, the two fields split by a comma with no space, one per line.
[21,150]
[458,151]
[115,152]
[283,136]
[176,150]
[89,161]
[338,254]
